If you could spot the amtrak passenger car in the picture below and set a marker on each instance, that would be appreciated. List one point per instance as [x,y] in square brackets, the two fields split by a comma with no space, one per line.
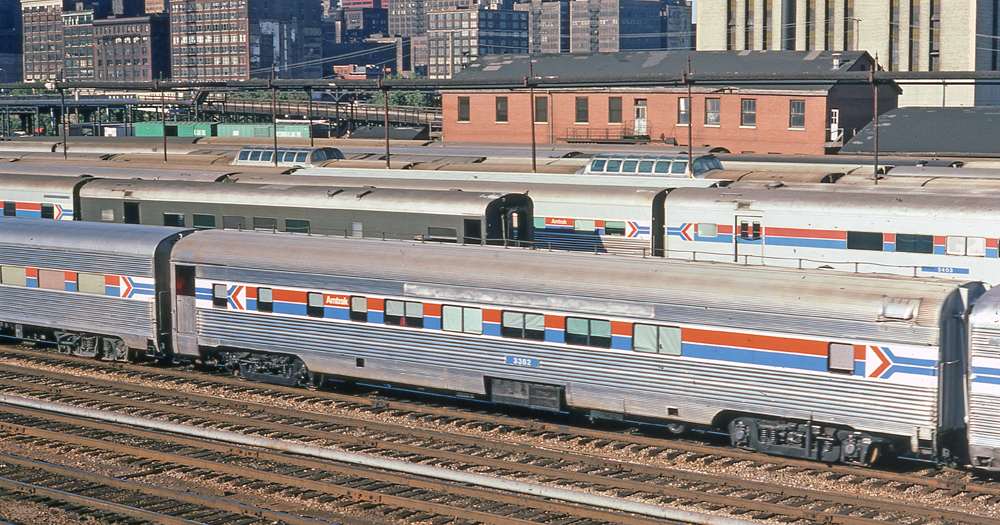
[824,365]
[915,232]
[96,290]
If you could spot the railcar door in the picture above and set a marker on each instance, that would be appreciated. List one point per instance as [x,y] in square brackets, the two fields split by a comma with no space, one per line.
[749,239]
[185,324]
[517,226]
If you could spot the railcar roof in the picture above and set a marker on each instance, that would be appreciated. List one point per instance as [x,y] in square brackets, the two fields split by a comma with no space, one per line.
[847,200]
[71,236]
[818,302]
[604,195]
[332,197]
[50,183]
[512,177]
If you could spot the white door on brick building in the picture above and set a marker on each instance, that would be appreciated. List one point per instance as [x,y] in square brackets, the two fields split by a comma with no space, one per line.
[640,116]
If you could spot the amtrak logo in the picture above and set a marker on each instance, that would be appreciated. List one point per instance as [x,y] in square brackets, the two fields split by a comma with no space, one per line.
[881,362]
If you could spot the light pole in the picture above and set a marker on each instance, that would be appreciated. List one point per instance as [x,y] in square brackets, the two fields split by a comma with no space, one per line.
[530,81]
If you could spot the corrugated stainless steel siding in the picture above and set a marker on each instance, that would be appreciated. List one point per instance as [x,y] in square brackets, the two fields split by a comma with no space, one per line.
[77,311]
[423,358]
[301,280]
[102,263]
[984,409]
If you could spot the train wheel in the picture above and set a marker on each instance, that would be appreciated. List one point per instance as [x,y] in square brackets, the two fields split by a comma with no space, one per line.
[302,375]
[113,349]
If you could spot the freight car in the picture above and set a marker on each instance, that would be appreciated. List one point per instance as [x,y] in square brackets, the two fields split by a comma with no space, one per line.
[825,365]
[441,216]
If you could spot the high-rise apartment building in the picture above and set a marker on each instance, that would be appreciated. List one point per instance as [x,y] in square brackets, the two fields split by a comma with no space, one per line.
[455,37]
[409,17]
[905,35]
[609,26]
[241,39]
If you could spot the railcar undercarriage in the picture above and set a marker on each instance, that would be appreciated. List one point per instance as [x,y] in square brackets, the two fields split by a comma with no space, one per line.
[807,440]
[79,344]
[279,369]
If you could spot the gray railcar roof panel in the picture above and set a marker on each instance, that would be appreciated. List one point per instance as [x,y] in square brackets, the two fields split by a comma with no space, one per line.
[720,294]
[82,246]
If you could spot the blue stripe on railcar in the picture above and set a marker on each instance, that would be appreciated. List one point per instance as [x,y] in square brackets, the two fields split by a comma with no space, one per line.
[492,329]
[555,335]
[621,342]
[802,242]
[337,312]
[755,357]
[282,307]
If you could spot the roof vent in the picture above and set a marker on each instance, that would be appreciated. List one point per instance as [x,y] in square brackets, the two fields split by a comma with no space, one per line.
[836,61]
[898,308]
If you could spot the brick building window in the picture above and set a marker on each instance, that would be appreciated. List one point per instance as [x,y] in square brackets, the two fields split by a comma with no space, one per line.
[797,114]
[541,109]
[582,110]
[463,109]
[684,111]
[748,114]
[712,117]
[615,110]
[501,109]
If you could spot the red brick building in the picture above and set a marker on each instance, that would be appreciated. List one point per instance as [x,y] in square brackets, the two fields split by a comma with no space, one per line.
[780,117]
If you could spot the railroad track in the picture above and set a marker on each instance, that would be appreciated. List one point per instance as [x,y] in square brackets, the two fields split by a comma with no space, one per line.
[671,474]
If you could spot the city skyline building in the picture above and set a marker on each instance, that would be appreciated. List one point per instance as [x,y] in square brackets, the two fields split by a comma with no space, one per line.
[904,35]
[459,35]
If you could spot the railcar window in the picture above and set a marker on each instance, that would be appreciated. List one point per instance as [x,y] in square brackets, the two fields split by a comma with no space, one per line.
[404,313]
[645,166]
[314,304]
[48,211]
[220,296]
[522,326]
[662,166]
[699,166]
[173,219]
[584,225]
[204,221]
[629,166]
[296,226]
[9,209]
[588,332]
[614,228]
[14,275]
[244,155]
[954,245]
[359,309]
[265,223]
[52,279]
[707,230]
[107,215]
[539,223]
[301,157]
[597,165]
[975,247]
[912,243]
[289,156]
[265,300]
[255,155]
[749,233]
[864,241]
[613,166]
[265,156]
[440,234]
[841,358]
[90,283]
[184,281]
[462,319]
[664,340]
[234,222]
[679,167]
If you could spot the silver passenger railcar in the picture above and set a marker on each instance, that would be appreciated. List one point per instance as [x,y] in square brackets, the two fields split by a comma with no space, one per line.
[96,290]
[827,366]
[443,216]
[40,196]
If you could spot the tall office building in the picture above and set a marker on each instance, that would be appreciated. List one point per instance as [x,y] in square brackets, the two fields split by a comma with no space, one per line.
[43,39]
[610,26]
[905,35]
[458,36]
[548,25]
[241,39]
[11,41]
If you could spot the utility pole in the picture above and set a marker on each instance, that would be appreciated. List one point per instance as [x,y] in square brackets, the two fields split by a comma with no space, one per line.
[530,82]
[690,112]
